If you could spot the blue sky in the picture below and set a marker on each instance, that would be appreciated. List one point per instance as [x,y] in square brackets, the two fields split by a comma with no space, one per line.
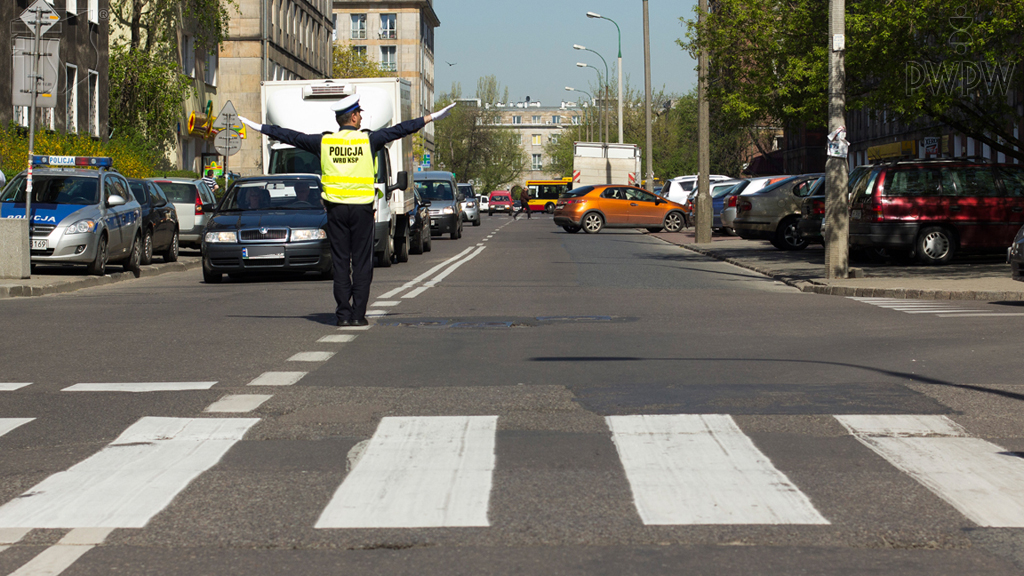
[527,44]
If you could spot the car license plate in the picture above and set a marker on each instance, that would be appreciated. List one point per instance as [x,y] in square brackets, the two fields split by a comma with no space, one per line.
[855,214]
[40,244]
[263,252]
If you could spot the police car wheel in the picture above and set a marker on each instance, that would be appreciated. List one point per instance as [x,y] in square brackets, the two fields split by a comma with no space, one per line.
[99,264]
[147,249]
[133,263]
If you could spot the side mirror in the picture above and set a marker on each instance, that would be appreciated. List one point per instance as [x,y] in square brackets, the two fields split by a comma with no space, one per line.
[657,201]
[115,200]
[401,182]
[426,203]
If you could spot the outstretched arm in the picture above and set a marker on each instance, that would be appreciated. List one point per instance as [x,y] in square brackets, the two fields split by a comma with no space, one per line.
[307,142]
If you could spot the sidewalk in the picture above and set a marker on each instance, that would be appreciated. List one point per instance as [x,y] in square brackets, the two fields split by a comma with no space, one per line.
[57,280]
[983,277]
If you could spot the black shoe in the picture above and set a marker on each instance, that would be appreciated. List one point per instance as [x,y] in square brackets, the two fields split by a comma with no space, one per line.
[345,322]
[359,322]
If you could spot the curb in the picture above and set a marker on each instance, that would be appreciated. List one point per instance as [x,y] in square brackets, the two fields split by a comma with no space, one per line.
[818,287]
[92,281]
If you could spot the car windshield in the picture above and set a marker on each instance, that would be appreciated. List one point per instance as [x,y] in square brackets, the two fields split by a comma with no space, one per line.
[180,192]
[435,189]
[577,192]
[291,194]
[776,185]
[466,191]
[55,189]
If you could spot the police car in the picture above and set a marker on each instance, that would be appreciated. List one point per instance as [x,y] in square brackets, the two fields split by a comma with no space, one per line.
[83,212]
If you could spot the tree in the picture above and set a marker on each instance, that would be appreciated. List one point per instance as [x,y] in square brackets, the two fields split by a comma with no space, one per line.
[147,83]
[487,89]
[948,61]
[347,62]
[489,155]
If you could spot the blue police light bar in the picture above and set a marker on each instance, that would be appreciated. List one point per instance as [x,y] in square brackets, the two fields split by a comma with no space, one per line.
[73,161]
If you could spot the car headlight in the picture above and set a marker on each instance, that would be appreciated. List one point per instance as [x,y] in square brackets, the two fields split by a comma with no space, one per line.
[81,227]
[307,234]
[447,210]
[219,237]
[470,204]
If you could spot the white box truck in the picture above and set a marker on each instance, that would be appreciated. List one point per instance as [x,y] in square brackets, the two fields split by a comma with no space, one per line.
[597,163]
[305,106]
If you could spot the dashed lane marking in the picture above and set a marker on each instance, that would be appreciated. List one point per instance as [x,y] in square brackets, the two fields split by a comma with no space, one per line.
[12,386]
[311,357]
[59,557]
[376,313]
[337,338]
[385,303]
[8,424]
[942,309]
[277,378]
[424,276]
[238,403]
[139,387]
[353,328]
[433,282]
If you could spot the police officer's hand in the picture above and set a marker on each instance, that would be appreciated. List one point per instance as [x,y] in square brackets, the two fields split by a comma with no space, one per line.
[252,125]
[443,112]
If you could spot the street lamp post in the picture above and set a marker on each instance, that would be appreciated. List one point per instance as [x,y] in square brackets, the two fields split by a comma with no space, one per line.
[594,15]
[578,47]
[600,109]
[647,98]
[568,89]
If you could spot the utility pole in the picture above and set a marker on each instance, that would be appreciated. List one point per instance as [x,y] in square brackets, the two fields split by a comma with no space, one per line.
[703,203]
[647,99]
[837,210]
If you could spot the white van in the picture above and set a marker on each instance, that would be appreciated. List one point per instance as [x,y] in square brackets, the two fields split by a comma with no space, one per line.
[678,189]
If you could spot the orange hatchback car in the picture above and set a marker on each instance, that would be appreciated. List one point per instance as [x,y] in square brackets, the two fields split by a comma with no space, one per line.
[591,208]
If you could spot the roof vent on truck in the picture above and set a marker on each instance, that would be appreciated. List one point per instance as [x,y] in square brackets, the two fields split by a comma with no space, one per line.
[326,91]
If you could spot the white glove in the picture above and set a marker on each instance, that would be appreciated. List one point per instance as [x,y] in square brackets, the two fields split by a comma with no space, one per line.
[252,125]
[442,113]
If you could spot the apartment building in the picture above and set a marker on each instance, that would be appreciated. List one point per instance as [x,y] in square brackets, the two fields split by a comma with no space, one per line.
[537,125]
[400,35]
[81,91]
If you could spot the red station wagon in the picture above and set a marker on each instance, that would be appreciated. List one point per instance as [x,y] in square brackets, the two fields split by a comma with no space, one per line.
[499,201]
[933,209]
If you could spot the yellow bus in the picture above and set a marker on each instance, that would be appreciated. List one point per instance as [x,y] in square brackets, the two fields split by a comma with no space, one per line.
[544,193]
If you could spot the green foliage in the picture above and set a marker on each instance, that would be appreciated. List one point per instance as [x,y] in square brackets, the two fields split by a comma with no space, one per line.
[132,156]
[146,94]
[491,156]
[951,61]
[347,62]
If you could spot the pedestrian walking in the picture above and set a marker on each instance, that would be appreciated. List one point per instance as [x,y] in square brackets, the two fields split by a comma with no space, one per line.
[348,166]
[524,201]
[210,182]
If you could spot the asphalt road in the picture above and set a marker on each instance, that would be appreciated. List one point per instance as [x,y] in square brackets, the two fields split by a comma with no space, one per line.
[527,401]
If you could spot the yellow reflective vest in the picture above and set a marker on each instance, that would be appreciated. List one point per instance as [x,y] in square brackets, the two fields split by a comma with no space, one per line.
[348,167]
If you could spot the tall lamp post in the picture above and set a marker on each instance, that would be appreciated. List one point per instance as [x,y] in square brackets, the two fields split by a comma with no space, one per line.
[578,47]
[647,98]
[595,15]
[600,109]
[568,89]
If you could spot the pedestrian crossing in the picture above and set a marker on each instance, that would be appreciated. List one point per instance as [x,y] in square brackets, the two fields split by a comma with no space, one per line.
[938,308]
[439,472]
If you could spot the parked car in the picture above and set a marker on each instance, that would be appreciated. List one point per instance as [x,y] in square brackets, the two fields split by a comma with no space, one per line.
[732,198]
[440,189]
[812,207]
[720,191]
[680,188]
[499,201]
[267,224]
[470,207]
[194,202]
[772,213]
[592,208]
[79,216]
[933,209]
[159,221]
[1015,256]
[419,224]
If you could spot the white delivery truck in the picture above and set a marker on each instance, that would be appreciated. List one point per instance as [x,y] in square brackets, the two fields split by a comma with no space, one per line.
[305,106]
[596,163]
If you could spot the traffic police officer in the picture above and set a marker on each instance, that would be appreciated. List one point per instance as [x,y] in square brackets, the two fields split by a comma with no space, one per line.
[348,166]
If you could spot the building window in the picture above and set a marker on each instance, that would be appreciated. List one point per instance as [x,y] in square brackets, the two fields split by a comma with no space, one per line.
[361,50]
[536,164]
[389,58]
[517,119]
[553,138]
[71,94]
[334,25]
[212,61]
[359,26]
[575,119]
[556,119]
[388,26]
[536,139]
[536,119]
[94,103]
[94,11]
[188,56]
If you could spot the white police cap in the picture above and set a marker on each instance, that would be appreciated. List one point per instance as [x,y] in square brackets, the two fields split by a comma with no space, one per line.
[347,104]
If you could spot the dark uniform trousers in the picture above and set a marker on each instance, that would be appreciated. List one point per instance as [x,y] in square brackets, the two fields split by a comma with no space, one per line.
[350,231]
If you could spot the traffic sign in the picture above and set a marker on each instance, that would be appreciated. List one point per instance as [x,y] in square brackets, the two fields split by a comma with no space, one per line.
[45,14]
[228,117]
[227,142]
[46,77]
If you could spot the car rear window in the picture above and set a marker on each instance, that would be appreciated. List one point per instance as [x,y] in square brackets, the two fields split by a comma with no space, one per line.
[501,198]
[57,189]
[1013,179]
[722,190]
[180,192]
